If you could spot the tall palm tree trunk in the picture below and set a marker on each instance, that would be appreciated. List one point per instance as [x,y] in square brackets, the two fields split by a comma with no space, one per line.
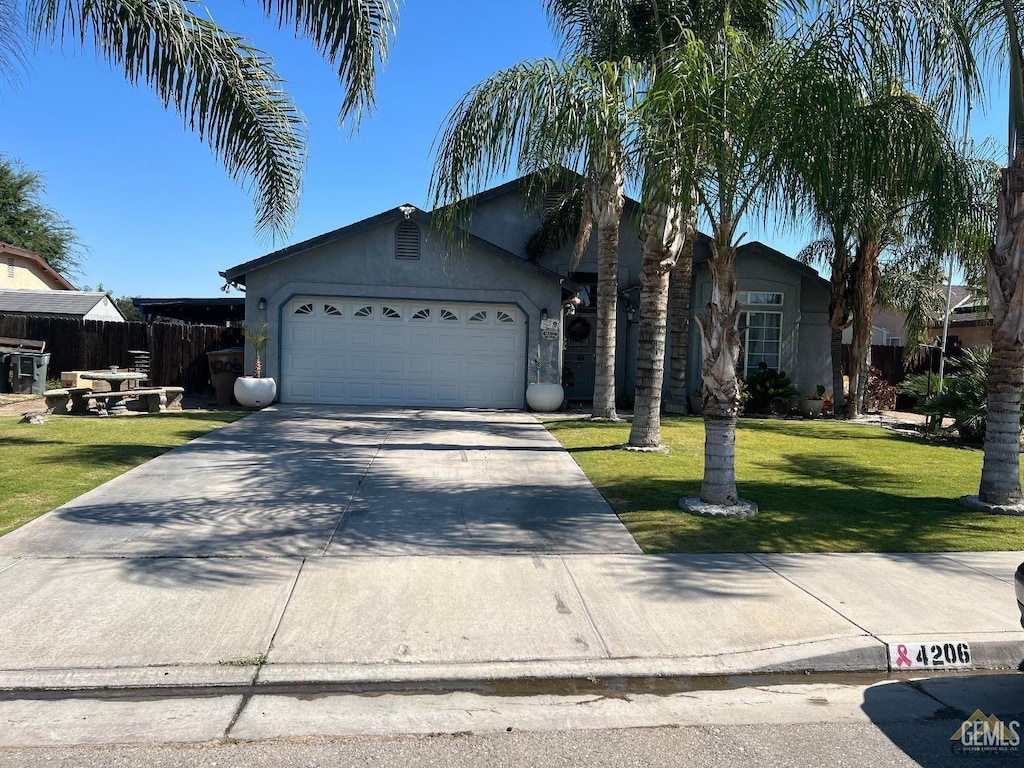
[865,285]
[663,238]
[839,317]
[1000,472]
[836,351]
[608,214]
[720,354]
[679,324]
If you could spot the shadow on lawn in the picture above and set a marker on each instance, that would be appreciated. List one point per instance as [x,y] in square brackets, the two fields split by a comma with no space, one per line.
[833,470]
[841,430]
[850,519]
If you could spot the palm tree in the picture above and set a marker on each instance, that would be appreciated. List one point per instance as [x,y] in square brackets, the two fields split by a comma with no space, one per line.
[744,98]
[1000,473]
[544,115]
[225,89]
[670,204]
[917,191]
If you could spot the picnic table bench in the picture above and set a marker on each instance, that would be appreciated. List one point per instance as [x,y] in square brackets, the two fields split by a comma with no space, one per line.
[153,399]
[57,400]
[31,345]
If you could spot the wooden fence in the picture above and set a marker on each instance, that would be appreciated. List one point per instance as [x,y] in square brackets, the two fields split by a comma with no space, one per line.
[177,352]
[894,366]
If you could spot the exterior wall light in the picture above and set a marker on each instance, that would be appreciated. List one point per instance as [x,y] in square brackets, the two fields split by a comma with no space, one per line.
[261,305]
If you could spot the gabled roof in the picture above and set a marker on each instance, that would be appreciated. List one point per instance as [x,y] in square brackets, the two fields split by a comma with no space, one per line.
[759,248]
[631,205]
[39,262]
[237,273]
[67,303]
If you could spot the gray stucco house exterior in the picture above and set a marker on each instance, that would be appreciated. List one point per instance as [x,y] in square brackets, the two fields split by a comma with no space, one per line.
[379,313]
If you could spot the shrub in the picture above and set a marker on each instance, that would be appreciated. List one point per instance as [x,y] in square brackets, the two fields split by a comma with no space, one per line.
[964,395]
[879,394]
[769,391]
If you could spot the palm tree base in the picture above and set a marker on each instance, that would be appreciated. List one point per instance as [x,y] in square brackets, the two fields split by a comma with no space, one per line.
[646,448]
[694,505]
[976,504]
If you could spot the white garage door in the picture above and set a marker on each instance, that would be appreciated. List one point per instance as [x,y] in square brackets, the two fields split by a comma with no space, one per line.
[381,352]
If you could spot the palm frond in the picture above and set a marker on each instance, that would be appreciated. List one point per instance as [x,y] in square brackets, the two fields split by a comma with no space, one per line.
[560,223]
[12,41]
[353,35]
[531,116]
[225,89]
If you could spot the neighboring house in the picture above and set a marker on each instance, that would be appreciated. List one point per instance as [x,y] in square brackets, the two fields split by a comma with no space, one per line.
[21,269]
[887,329]
[85,305]
[970,323]
[217,311]
[375,313]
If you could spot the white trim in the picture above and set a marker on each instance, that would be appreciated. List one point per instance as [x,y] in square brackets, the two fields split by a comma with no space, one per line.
[746,335]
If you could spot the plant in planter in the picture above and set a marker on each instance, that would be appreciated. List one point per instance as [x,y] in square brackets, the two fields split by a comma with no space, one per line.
[256,391]
[811,405]
[540,396]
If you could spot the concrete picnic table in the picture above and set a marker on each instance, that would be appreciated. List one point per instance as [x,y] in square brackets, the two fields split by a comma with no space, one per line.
[115,379]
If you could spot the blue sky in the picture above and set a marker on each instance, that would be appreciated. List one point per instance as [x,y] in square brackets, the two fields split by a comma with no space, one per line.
[158,214]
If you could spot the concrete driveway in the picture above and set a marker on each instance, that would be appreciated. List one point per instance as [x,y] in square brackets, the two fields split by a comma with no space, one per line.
[309,481]
[263,553]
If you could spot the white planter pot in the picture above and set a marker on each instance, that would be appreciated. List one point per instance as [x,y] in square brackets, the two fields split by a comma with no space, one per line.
[255,393]
[811,408]
[544,397]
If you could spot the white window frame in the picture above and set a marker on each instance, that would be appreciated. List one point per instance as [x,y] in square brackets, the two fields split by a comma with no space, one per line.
[745,330]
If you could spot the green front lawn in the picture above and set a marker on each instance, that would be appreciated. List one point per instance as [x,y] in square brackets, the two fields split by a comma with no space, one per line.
[42,467]
[822,486]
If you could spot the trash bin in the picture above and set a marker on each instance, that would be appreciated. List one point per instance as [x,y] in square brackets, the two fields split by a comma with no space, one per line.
[5,371]
[226,365]
[28,372]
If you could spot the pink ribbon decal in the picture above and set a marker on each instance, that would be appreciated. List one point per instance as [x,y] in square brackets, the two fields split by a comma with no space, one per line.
[902,658]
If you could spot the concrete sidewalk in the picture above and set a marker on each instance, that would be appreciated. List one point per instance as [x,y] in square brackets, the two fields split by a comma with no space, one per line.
[374,549]
[125,623]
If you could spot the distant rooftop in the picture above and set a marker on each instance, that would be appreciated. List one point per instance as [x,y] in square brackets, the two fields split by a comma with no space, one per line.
[62,303]
[215,311]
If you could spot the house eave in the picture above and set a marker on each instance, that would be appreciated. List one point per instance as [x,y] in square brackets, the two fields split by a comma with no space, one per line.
[237,274]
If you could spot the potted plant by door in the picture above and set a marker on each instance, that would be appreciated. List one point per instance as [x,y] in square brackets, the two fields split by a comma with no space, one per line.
[544,398]
[811,405]
[256,391]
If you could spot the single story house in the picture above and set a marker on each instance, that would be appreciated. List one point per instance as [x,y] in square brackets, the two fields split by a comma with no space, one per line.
[22,269]
[377,312]
[85,305]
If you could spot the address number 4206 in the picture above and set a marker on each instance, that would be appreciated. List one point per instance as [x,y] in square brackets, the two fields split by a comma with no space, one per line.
[938,655]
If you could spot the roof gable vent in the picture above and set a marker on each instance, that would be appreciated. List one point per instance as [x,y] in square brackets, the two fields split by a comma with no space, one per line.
[407,241]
